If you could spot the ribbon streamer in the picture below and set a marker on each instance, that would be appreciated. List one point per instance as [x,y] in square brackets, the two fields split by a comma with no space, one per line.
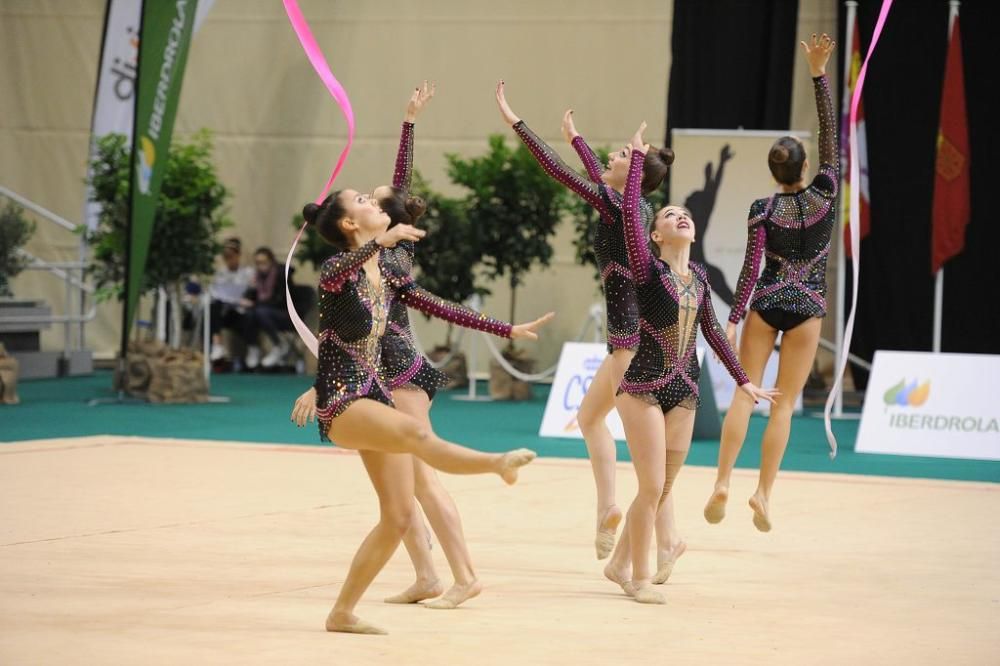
[854,223]
[339,94]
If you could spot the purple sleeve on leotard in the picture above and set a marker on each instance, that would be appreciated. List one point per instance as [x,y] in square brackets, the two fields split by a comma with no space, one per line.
[589,159]
[827,180]
[756,244]
[639,256]
[714,334]
[339,268]
[553,165]
[403,171]
[434,306]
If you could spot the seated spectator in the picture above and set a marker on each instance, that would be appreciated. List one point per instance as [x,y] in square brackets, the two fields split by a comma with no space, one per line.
[266,311]
[229,285]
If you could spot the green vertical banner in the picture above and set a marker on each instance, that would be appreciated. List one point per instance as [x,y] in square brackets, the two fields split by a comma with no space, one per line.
[165,35]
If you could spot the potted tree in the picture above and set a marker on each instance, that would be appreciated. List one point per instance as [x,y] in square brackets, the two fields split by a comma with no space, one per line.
[15,230]
[516,208]
[189,215]
[445,261]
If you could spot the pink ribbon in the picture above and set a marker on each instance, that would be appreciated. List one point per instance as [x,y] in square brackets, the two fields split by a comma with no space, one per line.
[318,61]
[854,222]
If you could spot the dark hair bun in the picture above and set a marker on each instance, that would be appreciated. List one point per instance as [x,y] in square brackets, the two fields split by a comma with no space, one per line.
[666,155]
[779,154]
[415,207]
[310,212]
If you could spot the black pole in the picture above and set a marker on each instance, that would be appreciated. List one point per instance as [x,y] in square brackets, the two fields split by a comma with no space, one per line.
[83,254]
[123,352]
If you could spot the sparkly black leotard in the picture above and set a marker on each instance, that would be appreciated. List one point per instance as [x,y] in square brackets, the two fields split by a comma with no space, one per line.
[792,230]
[609,243]
[353,315]
[665,369]
[402,365]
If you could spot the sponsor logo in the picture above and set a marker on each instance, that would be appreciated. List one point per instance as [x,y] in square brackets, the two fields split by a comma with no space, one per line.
[576,388]
[123,70]
[906,394]
[144,169]
[163,87]
[914,394]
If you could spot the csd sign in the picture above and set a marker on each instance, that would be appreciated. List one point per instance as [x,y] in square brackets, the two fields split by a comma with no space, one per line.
[578,363]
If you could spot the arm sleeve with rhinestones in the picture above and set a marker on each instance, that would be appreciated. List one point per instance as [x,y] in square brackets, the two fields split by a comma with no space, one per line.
[339,268]
[589,159]
[559,170]
[716,337]
[829,156]
[434,306]
[403,171]
[756,243]
[639,256]
[401,256]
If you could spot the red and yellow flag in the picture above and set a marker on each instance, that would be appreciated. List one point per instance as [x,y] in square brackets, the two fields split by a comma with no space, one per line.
[952,208]
[850,81]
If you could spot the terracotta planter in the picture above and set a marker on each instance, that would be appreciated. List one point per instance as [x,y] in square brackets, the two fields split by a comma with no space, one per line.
[8,378]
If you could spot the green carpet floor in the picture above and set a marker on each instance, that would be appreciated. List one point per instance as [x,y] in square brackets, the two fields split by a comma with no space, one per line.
[260,405]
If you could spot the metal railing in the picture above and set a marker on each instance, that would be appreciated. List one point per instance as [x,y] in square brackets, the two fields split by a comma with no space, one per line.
[72,273]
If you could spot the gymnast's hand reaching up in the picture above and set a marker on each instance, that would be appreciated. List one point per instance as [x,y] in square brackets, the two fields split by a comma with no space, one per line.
[529,331]
[418,100]
[568,128]
[637,142]
[818,53]
[305,408]
[505,111]
[400,232]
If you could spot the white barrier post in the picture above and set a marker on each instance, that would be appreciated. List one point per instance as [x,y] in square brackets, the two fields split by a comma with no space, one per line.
[476,303]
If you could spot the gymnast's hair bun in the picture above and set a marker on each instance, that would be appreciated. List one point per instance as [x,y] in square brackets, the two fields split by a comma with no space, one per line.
[310,212]
[415,207]
[666,155]
[779,154]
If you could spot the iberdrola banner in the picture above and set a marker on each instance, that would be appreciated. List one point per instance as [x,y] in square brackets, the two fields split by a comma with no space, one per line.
[165,35]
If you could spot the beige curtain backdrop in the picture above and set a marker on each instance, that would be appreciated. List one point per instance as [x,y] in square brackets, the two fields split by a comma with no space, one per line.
[277,132]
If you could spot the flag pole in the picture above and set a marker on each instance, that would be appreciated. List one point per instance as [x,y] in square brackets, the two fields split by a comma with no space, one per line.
[939,278]
[838,404]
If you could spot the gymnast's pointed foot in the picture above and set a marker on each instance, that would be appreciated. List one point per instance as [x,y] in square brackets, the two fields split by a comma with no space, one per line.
[457,595]
[607,527]
[761,519]
[665,561]
[644,593]
[351,624]
[512,461]
[420,590]
[715,510]
[618,575]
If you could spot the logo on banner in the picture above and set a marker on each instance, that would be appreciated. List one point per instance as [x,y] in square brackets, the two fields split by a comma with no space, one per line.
[908,395]
[912,394]
[124,70]
[576,388]
[925,404]
[147,158]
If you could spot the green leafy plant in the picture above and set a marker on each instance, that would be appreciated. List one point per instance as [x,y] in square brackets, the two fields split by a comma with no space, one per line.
[190,213]
[15,230]
[446,258]
[585,221]
[515,207]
